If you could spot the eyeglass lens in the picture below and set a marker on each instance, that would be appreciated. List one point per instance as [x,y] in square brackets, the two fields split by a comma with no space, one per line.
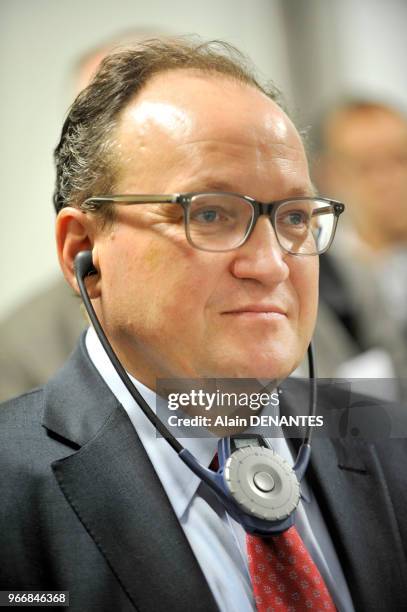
[220,222]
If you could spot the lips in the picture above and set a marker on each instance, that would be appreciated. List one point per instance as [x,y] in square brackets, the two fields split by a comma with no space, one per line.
[266,309]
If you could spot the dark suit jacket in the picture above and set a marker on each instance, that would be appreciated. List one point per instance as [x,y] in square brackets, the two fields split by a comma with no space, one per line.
[82,509]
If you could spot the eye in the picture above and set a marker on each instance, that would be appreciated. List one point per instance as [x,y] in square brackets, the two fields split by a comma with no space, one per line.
[210,215]
[207,216]
[295,218]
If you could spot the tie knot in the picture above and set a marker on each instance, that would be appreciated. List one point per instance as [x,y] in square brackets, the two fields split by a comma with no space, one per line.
[214,464]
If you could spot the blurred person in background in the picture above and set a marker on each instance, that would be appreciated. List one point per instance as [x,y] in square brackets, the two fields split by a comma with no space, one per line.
[37,337]
[360,156]
[93,501]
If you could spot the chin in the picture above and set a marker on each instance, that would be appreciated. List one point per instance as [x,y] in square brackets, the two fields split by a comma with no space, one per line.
[274,372]
[251,357]
[255,367]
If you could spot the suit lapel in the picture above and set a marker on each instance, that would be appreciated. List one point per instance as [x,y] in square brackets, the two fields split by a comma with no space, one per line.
[348,482]
[114,491]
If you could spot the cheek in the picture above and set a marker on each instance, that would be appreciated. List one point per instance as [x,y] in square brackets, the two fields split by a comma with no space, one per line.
[158,288]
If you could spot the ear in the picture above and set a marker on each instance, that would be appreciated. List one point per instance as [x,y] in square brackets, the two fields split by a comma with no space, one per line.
[75,231]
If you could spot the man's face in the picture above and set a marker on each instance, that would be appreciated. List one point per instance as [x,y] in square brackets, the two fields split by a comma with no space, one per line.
[174,311]
[367,168]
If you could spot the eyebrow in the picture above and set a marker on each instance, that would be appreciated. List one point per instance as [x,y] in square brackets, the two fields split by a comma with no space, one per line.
[214,185]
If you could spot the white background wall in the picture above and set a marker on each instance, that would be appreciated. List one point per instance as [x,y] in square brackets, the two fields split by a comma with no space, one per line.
[345,47]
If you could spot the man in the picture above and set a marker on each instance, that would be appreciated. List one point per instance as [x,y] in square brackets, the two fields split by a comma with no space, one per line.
[94,502]
[361,157]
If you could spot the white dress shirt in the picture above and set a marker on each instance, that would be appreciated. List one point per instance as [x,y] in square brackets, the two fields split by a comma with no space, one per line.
[218,542]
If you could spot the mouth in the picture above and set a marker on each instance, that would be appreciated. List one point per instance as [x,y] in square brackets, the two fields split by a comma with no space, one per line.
[258,311]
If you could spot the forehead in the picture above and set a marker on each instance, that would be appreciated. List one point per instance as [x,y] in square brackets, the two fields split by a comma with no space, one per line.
[187,130]
[185,105]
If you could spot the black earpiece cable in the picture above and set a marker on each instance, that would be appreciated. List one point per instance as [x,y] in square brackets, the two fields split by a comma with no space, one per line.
[312,393]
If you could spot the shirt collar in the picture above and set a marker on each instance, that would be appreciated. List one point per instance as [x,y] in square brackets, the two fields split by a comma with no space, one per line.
[180,484]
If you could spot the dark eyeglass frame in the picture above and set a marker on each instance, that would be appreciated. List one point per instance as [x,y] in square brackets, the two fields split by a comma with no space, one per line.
[259,208]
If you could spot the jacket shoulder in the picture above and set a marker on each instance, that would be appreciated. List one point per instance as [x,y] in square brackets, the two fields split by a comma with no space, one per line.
[22,437]
[21,412]
[26,448]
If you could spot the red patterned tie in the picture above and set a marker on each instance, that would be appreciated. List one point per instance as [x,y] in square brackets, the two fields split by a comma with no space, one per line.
[284,577]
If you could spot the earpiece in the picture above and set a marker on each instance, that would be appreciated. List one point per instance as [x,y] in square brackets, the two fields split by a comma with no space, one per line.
[83,264]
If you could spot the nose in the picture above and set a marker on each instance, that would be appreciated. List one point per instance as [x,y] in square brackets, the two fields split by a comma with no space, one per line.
[261,257]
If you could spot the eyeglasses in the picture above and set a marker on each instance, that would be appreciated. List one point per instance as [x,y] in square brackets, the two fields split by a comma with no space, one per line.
[217,221]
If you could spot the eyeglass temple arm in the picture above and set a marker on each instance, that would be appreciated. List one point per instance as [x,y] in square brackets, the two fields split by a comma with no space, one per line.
[327,210]
[92,203]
